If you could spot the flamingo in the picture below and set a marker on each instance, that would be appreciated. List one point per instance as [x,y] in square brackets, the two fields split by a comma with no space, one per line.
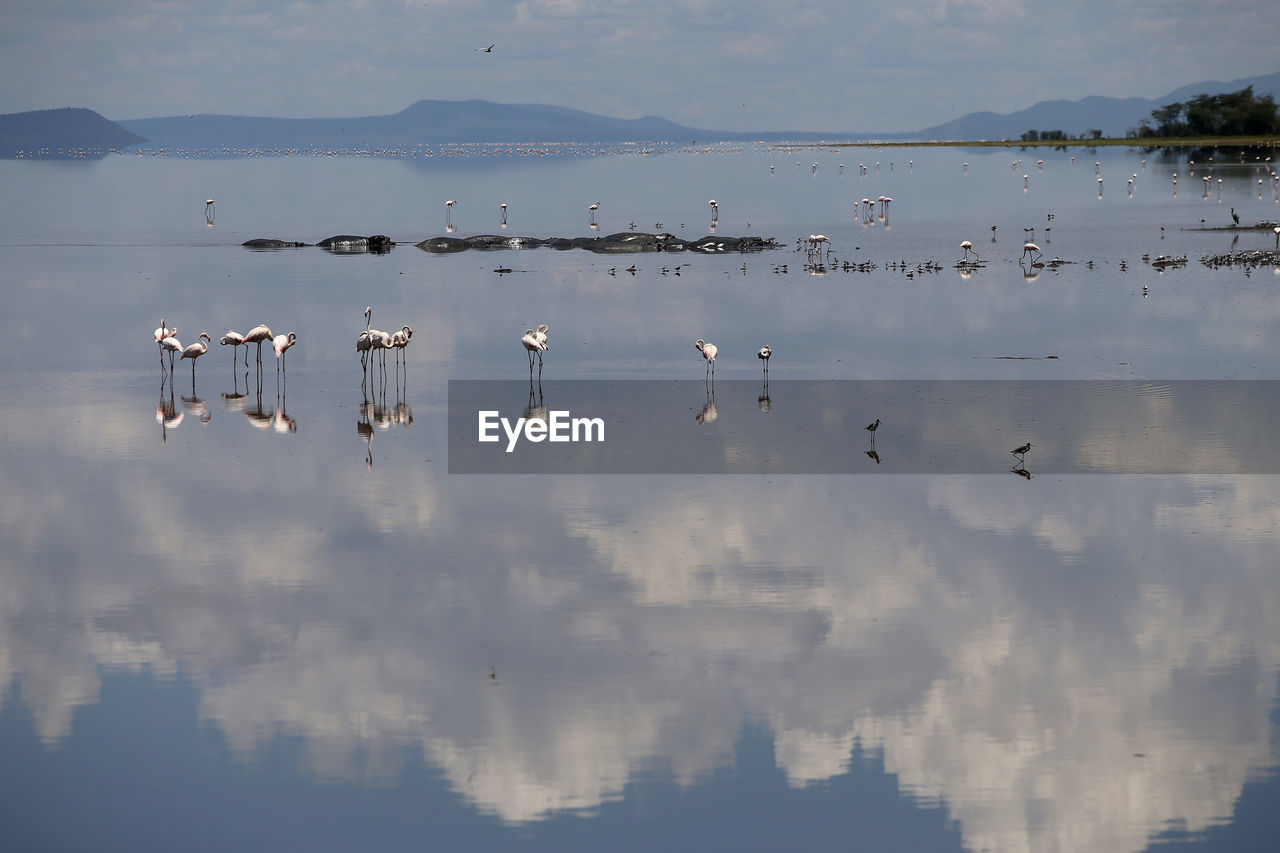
[208,210]
[1031,249]
[235,339]
[709,352]
[715,210]
[592,208]
[541,333]
[968,247]
[765,353]
[194,351]
[378,340]
[400,340]
[162,333]
[281,344]
[170,345]
[257,335]
[503,208]
[532,344]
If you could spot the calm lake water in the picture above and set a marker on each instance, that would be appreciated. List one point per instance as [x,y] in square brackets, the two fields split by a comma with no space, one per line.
[262,613]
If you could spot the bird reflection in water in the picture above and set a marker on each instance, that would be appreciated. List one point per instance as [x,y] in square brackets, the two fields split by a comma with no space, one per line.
[167,414]
[197,408]
[536,409]
[709,413]
[377,414]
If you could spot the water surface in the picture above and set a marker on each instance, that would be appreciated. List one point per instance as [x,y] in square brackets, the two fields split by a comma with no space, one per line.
[261,612]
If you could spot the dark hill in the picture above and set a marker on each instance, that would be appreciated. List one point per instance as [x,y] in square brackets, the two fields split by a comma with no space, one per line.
[64,132]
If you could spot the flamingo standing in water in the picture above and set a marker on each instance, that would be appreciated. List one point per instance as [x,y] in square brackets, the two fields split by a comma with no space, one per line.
[162,333]
[257,335]
[1031,249]
[399,341]
[170,345]
[532,344]
[194,351]
[235,339]
[709,352]
[968,247]
[765,353]
[541,333]
[592,208]
[715,210]
[281,344]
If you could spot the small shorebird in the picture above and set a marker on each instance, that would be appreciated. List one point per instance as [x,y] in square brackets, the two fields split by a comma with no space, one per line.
[1021,451]
[872,427]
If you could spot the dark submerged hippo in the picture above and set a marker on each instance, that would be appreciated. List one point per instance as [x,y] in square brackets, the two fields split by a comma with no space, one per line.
[267,243]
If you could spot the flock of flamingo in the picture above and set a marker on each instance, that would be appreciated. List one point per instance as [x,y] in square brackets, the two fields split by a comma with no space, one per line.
[167,341]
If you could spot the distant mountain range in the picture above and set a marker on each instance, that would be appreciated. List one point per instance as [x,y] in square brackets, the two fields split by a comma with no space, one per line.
[81,132]
[1113,116]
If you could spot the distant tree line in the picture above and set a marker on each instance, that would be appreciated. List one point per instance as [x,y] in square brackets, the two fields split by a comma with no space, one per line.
[1234,114]
[1058,135]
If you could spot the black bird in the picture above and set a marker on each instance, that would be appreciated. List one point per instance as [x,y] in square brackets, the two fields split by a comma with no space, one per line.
[873,427]
[1021,451]
[1235,216]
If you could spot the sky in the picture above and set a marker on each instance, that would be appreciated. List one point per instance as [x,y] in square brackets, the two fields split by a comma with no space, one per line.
[767,65]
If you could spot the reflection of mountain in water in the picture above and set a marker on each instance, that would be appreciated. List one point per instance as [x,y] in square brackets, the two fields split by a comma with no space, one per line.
[1057,664]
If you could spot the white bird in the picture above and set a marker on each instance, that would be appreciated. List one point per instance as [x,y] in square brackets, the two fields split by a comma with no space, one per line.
[281,344]
[709,352]
[765,353]
[448,208]
[541,334]
[532,345]
[592,208]
[162,333]
[968,247]
[1031,249]
[503,208]
[400,339]
[257,335]
[194,351]
[170,345]
[235,339]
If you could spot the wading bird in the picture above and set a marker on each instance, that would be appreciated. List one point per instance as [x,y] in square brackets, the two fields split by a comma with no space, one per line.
[194,351]
[709,352]
[281,344]
[765,353]
[503,208]
[1032,249]
[532,345]
[541,333]
[872,427]
[1021,451]
[257,335]
[162,333]
[235,339]
[968,247]
[170,345]
[592,208]
[1235,217]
